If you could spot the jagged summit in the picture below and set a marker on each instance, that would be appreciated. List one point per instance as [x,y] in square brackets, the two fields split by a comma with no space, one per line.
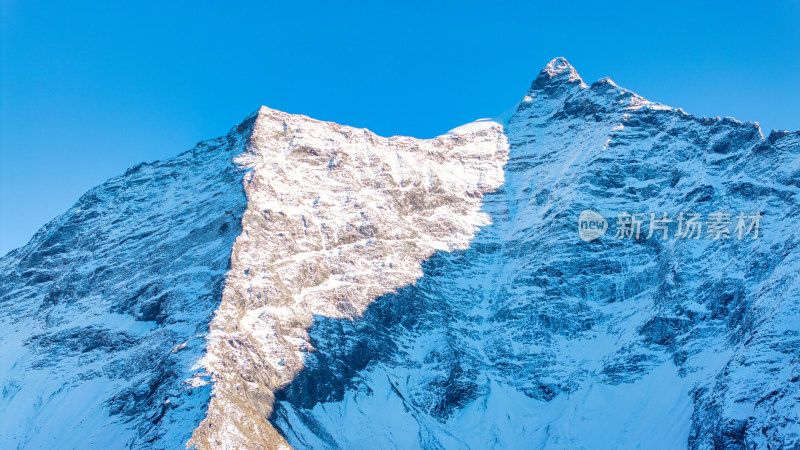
[557,66]
[557,72]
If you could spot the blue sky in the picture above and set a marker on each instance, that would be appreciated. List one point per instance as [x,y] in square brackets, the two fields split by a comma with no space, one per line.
[88,89]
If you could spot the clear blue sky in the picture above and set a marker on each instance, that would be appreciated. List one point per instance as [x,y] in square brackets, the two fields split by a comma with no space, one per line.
[91,88]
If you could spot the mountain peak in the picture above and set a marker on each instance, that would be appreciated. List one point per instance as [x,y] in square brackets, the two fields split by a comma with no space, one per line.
[557,66]
[558,71]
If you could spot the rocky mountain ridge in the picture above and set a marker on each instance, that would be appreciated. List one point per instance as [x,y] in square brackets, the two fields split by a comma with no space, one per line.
[302,283]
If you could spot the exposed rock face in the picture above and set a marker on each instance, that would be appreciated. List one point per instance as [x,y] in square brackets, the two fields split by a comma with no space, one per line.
[336,217]
[371,292]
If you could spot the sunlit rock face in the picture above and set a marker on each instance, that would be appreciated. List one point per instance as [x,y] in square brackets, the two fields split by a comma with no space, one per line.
[336,217]
[305,284]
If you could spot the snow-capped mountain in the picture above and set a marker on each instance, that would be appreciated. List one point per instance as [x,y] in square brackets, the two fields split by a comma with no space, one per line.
[307,284]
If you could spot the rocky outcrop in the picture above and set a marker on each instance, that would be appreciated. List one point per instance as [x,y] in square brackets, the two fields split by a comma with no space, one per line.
[336,217]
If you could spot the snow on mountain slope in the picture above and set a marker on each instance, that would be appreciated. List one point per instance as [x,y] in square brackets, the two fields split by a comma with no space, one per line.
[302,283]
[532,338]
[103,315]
